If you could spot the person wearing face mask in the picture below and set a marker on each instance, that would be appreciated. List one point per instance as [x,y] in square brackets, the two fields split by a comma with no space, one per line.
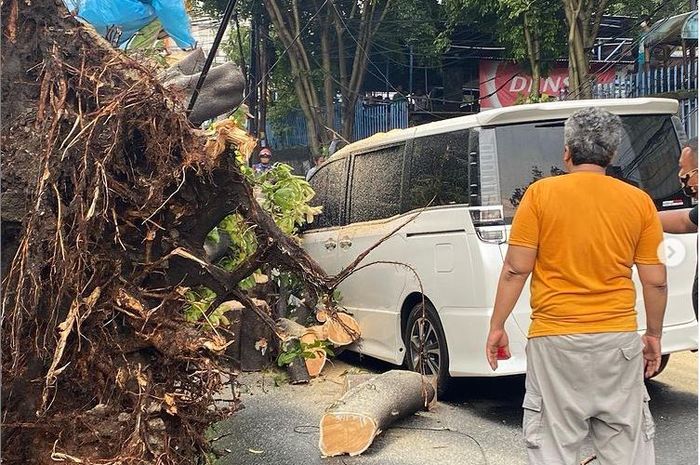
[686,221]
[264,165]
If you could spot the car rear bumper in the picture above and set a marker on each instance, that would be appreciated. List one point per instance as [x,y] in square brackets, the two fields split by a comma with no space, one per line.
[467,353]
[678,338]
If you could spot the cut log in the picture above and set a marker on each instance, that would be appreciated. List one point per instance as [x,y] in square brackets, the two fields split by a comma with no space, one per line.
[321,315]
[341,329]
[290,329]
[235,317]
[255,337]
[350,424]
[315,364]
[353,379]
[307,336]
[298,374]
[293,330]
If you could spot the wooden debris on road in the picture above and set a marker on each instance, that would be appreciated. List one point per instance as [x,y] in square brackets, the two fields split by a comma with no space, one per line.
[351,423]
[341,329]
[338,329]
[298,374]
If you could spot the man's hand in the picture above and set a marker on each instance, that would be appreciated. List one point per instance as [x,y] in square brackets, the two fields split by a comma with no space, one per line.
[497,339]
[517,266]
[652,354]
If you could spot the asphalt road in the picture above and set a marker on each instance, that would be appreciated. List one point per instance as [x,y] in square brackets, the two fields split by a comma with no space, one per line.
[279,423]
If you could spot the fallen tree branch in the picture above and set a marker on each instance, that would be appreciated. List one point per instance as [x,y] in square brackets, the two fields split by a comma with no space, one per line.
[348,270]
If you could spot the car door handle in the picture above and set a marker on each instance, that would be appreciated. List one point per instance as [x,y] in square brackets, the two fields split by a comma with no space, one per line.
[330,244]
[345,243]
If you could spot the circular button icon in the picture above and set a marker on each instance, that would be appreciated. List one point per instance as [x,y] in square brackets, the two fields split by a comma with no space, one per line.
[671,252]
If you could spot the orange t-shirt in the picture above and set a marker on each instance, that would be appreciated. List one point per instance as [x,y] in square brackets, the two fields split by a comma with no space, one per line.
[588,229]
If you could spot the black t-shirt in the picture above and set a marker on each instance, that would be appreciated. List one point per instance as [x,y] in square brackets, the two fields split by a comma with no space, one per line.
[693,215]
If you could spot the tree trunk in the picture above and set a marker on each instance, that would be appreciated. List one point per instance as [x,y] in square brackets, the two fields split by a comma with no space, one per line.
[571,10]
[370,21]
[255,338]
[350,380]
[328,93]
[264,47]
[583,18]
[532,42]
[301,70]
[580,57]
[350,424]
[342,58]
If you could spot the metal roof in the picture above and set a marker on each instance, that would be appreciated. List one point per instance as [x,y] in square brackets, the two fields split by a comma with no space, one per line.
[673,30]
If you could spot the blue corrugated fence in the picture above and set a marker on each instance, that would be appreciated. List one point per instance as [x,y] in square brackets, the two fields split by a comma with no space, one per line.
[369,119]
[681,80]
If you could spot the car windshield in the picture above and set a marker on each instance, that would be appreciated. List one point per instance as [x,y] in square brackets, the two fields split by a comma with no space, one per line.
[647,158]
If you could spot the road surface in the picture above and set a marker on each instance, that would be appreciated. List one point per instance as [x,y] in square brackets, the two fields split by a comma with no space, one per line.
[279,423]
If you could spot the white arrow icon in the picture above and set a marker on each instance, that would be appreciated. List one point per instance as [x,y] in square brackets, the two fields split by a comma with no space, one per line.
[671,252]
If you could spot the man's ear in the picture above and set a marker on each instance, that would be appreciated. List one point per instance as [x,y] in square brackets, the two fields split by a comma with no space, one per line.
[687,153]
[567,154]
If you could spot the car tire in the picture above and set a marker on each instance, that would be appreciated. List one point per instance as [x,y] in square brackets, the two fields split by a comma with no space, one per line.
[436,359]
[664,362]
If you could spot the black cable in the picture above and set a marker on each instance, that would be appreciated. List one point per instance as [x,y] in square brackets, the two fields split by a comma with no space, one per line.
[212,53]
[499,88]
[634,23]
[311,429]
[369,59]
[269,71]
[385,78]
[450,430]
[240,48]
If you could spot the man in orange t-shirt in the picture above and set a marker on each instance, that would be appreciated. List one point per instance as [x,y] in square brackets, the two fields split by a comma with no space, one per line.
[579,235]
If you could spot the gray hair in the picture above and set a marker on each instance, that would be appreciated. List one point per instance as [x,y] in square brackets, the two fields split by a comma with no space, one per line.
[593,136]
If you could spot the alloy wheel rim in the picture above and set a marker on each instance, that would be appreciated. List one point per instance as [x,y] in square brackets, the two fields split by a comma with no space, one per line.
[429,352]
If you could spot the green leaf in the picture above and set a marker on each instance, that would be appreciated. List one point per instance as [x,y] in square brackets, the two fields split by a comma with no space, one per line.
[285,358]
[247,283]
[213,236]
[198,301]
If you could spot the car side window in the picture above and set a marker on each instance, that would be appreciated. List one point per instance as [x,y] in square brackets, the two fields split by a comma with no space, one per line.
[329,183]
[438,171]
[376,184]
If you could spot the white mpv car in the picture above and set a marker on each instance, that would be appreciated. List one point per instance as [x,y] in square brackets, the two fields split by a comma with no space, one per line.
[475,170]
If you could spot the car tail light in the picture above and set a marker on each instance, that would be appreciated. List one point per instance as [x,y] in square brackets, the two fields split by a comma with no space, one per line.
[488,223]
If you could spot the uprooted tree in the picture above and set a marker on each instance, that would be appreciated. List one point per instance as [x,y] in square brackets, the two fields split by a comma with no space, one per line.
[108,196]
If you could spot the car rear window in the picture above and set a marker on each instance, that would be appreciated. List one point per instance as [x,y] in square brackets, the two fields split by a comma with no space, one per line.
[647,158]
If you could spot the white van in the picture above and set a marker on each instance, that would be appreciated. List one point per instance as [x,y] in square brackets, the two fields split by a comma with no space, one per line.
[475,170]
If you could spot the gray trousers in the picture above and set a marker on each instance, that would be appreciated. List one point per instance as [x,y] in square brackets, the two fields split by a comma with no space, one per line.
[584,384]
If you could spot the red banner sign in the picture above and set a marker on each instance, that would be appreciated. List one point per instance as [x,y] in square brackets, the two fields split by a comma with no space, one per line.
[500,83]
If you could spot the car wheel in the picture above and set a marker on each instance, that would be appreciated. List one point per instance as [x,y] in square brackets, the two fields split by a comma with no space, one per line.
[664,362]
[430,357]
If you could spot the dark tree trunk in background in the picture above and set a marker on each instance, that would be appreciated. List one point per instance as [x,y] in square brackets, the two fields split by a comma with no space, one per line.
[453,77]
